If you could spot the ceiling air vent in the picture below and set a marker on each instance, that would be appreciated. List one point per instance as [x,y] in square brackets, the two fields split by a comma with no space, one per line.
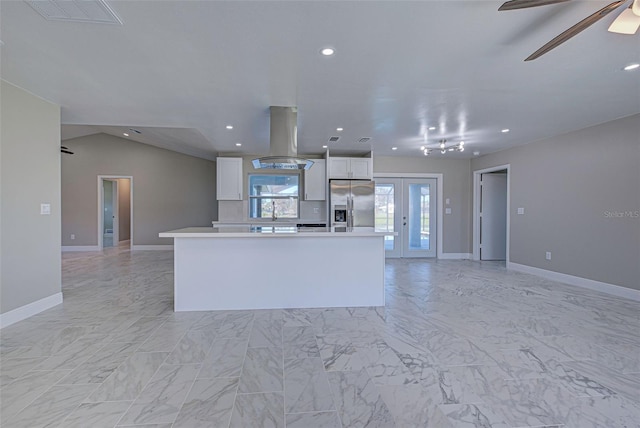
[333,139]
[92,11]
[364,140]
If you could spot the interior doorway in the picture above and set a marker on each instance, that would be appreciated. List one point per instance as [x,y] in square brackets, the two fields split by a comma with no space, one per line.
[491,220]
[110,218]
[408,206]
[115,211]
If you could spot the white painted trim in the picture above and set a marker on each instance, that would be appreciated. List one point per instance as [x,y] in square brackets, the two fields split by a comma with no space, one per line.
[476,208]
[440,185]
[603,287]
[152,247]
[29,310]
[72,248]
[456,256]
[101,209]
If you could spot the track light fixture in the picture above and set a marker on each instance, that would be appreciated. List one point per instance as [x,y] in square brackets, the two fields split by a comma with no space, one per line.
[459,147]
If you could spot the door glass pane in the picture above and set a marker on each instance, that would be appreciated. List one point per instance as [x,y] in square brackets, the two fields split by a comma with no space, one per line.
[384,211]
[418,232]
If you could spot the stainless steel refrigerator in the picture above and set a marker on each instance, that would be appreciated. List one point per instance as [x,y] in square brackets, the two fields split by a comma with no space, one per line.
[352,203]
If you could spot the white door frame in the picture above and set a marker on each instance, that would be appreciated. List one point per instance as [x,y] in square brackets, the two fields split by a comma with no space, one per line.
[102,178]
[477,175]
[440,207]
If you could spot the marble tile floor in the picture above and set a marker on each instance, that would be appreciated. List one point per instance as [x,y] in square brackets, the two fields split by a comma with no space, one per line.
[458,344]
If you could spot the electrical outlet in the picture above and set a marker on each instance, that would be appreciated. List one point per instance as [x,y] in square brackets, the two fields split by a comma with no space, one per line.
[548,255]
[520,211]
[45,209]
[316,210]
[73,236]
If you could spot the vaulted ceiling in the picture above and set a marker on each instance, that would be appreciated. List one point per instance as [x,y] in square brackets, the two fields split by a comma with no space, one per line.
[181,71]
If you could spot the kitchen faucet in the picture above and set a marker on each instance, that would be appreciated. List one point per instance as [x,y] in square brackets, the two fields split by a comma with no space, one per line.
[274,217]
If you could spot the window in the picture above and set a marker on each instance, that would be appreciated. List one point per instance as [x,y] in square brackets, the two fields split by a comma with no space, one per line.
[273,192]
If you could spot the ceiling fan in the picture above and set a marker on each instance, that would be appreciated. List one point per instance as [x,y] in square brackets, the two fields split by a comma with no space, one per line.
[627,22]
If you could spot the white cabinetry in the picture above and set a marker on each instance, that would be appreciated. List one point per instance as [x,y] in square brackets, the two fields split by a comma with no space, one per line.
[315,181]
[362,168]
[339,168]
[351,168]
[229,179]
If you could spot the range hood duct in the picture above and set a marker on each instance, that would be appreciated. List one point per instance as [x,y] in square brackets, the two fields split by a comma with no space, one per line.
[283,142]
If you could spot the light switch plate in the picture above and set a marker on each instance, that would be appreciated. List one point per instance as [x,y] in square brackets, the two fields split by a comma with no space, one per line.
[520,211]
[548,255]
[45,209]
[447,210]
[447,201]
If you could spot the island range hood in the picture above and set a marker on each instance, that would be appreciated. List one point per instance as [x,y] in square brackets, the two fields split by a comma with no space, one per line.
[283,142]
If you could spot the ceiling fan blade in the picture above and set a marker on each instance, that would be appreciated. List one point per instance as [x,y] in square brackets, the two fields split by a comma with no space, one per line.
[66,151]
[523,4]
[579,27]
[626,23]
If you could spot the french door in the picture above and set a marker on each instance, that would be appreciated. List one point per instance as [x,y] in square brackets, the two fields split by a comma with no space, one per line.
[407,206]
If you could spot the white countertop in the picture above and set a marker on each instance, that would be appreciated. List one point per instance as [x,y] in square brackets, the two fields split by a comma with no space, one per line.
[270,232]
[267,222]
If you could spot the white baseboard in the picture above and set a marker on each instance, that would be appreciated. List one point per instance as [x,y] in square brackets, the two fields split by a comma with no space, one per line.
[456,256]
[152,247]
[29,310]
[69,248]
[603,287]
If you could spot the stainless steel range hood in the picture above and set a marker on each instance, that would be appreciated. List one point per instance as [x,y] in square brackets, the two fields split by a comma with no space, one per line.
[283,142]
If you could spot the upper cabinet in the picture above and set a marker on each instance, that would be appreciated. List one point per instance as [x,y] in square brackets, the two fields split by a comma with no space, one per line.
[229,179]
[315,181]
[362,168]
[351,168]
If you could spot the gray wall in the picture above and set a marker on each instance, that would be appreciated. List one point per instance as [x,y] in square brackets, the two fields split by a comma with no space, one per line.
[170,190]
[456,181]
[571,188]
[29,175]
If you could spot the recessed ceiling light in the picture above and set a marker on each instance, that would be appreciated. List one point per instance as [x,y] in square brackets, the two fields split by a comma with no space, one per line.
[432,128]
[339,129]
[476,153]
[394,148]
[125,134]
[631,67]
[229,126]
[324,147]
[327,51]
[505,130]
[238,144]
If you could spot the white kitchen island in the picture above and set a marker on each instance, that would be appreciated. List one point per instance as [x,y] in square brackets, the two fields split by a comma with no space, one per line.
[272,267]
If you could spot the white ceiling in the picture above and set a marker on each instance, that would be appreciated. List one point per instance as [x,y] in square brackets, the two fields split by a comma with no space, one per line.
[180,71]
